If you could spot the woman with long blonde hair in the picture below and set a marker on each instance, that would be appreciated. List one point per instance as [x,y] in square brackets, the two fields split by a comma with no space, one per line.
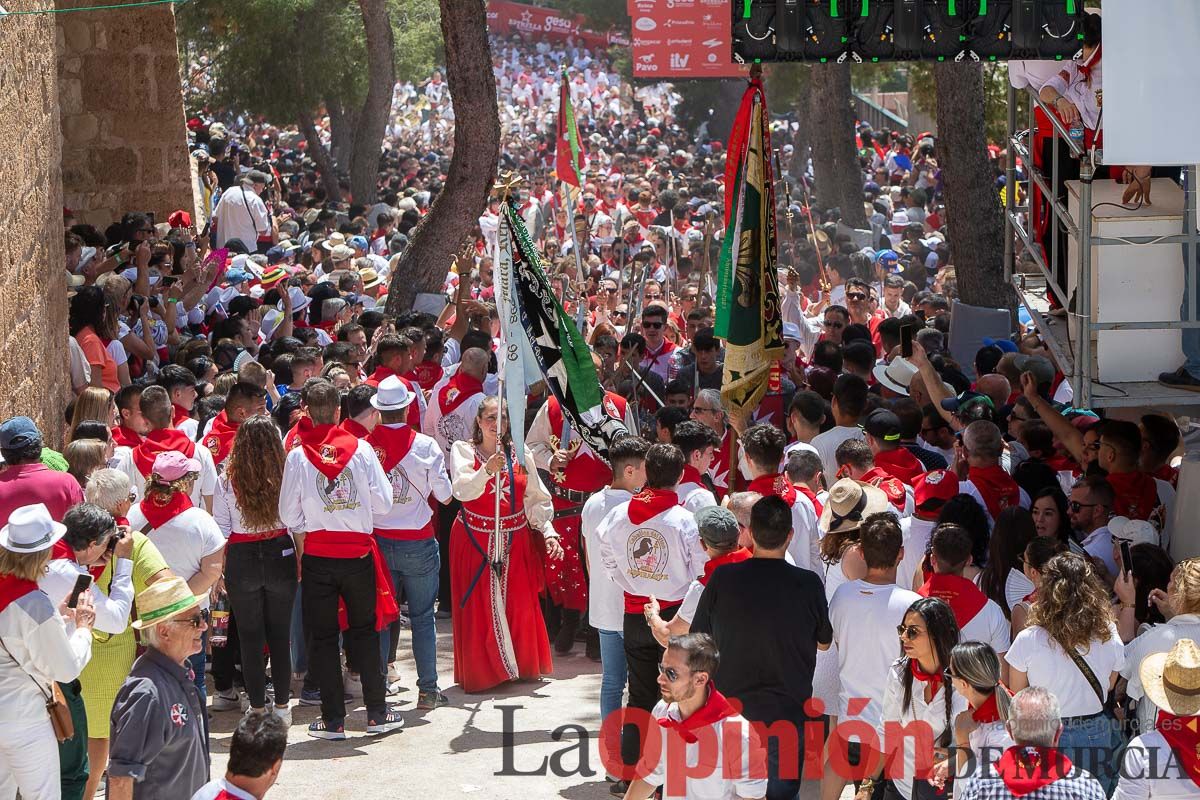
[261,561]
[85,456]
[94,402]
[1071,647]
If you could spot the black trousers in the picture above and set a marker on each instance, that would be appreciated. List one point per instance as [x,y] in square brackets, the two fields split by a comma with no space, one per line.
[445,522]
[227,658]
[261,582]
[326,580]
[642,656]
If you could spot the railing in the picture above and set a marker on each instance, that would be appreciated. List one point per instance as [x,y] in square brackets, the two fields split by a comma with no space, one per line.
[878,116]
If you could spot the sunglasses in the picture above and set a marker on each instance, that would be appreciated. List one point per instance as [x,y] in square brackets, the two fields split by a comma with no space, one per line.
[621,313]
[856,297]
[200,619]
[670,673]
[909,632]
[1077,506]
[652,325]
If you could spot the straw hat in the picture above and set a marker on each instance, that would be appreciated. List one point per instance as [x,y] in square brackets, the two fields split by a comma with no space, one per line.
[164,600]
[1172,679]
[849,503]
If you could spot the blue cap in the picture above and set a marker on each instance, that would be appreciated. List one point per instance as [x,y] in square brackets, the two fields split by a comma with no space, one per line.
[1005,345]
[236,276]
[359,241]
[275,255]
[888,259]
[18,432]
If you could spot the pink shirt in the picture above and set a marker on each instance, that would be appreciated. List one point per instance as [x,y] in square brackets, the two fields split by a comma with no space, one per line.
[25,484]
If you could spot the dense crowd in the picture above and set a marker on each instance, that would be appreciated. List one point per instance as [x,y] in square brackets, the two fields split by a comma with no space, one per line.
[266,477]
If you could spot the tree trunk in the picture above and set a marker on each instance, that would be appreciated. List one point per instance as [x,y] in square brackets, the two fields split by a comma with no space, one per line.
[317,152]
[451,219]
[972,203]
[803,138]
[372,121]
[342,122]
[838,175]
[729,95]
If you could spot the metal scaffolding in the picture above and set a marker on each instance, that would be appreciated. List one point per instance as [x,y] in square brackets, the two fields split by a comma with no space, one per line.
[1074,354]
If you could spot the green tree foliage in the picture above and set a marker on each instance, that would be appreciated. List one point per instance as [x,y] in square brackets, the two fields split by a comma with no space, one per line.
[995,93]
[279,58]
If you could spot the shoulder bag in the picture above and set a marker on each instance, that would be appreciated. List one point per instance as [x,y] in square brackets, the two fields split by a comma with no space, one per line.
[56,704]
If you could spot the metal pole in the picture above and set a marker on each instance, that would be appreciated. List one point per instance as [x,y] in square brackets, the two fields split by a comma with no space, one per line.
[1192,291]
[1083,297]
[1010,187]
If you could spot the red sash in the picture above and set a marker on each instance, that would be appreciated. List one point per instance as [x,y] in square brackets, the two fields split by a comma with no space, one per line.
[179,415]
[1183,736]
[737,556]
[964,597]
[888,484]
[650,503]
[811,495]
[391,444]
[125,437]
[355,428]
[377,377]
[777,485]
[1136,494]
[159,512]
[348,544]
[998,489]
[900,464]
[1027,769]
[13,588]
[219,440]
[460,388]
[327,447]
[161,441]
[715,709]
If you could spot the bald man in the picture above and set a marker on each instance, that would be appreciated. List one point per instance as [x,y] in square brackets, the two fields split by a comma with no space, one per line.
[451,413]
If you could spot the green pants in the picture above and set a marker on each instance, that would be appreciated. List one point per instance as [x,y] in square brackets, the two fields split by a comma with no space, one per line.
[73,753]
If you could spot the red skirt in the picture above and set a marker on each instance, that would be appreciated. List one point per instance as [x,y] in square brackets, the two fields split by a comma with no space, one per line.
[565,579]
[499,633]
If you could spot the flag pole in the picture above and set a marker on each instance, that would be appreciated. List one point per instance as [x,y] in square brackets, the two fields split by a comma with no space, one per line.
[503,187]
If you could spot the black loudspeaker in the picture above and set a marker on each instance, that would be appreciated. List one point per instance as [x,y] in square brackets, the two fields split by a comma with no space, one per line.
[1046,28]
[791,23]
[827,36]
[991,32]
[874,34]
[947,28]
[754,36]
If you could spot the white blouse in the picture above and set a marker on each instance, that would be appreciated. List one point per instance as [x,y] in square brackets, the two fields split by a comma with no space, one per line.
[469,483]
[932,713]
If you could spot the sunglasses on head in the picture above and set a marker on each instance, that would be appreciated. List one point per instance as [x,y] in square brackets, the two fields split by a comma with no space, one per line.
[909,632]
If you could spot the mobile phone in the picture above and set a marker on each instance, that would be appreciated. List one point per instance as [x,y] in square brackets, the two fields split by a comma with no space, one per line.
[81,585]
[1126,558]
[113,250]
[906,340]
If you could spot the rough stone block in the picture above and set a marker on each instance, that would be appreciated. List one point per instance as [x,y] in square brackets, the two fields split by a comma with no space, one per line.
[78,35]
[153,173]
[113,165]
[80,128]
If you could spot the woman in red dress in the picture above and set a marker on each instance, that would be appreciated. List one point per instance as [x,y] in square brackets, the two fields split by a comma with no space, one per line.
[496,575]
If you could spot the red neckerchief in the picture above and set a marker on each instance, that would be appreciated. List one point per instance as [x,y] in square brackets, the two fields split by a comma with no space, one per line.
[691,475]
[900,464]
[125,437]
[1086,68]
[811,495]
[327,447]
[998,489]
[179,415]
[922,675]
[159,512]
[163,440]
[1183,736]
[715,709]
[650,503]
[378,376]
[737,556]
[426,374]
[1166,473]
[391,444]
[1027,769]
[13,588]
[1135,494]
[460,388]
[355,428]
[890,485]
[777,485]
[219,439]
[667,348]
[964,597]
[988,711]
[1062,463]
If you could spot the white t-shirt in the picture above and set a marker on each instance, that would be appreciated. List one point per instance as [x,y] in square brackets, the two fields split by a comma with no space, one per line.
[205,486]
[826,445]
[989,626]
[864,618]
[185,541]
[722,781]
[241,214]
[694,497]
[916,539]
[1045,664]
[933,714]
[606,601]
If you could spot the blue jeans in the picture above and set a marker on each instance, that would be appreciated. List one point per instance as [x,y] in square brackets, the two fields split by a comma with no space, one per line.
[612,679]
[1090,743]
[415,567]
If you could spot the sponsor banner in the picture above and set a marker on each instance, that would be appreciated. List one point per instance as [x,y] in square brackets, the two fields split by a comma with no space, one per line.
[682,39]
[506,18]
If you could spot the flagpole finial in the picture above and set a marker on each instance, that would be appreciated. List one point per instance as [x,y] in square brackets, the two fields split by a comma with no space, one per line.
[504,184]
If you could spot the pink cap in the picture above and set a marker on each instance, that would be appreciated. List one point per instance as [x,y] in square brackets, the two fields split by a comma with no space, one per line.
[173,465]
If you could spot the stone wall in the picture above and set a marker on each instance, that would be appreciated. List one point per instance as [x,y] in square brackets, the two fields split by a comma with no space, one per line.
[124,144]
[33,300]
